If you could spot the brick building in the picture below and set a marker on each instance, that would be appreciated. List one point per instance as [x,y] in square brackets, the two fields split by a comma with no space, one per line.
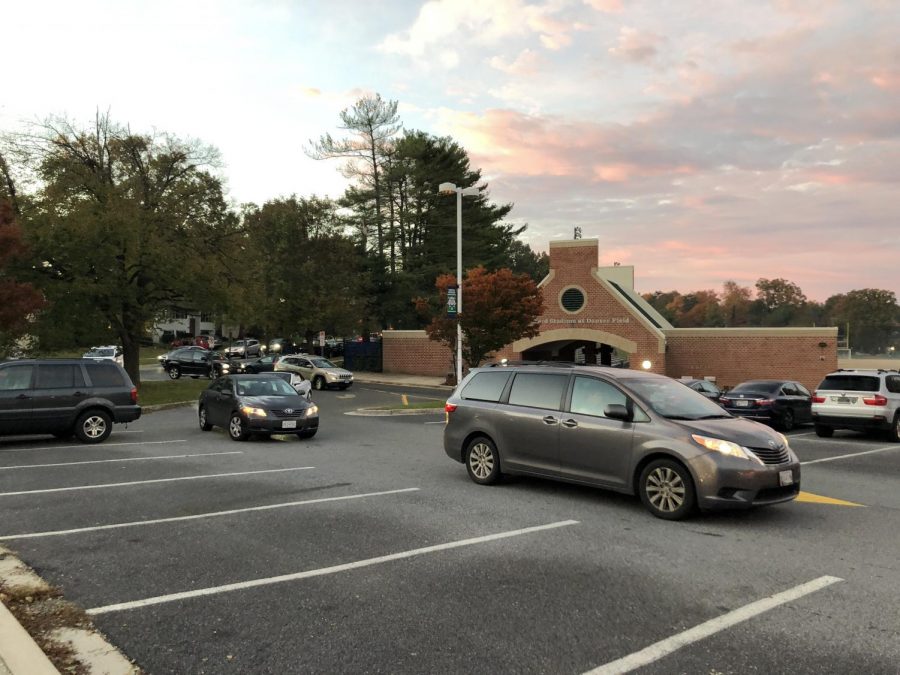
[593,314]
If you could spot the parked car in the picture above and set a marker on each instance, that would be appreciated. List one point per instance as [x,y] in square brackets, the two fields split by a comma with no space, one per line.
[243,349]
[863,400]
[257,404]
[320,371]
[163,357]
[108,352]
[264,364]
[625,430]
[296,380]
[705,387]
[194,362]
[781,403]
[282,346]
[65,397]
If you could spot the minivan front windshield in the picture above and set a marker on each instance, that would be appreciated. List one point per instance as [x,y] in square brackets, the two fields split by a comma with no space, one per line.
[673,400]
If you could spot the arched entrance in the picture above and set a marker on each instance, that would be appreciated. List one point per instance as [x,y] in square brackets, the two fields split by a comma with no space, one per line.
[580,345]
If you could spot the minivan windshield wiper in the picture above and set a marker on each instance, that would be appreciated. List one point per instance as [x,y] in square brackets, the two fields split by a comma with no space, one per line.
[679,417]
[714,417]
[694,418]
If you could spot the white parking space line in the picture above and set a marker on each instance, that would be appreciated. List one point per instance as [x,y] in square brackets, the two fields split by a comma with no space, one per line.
[86,446]
[808,433]
[397,393]
[441,422]
[199,516]
[121,459]
[672,644]
[346,567]
[854,454]
[147,482]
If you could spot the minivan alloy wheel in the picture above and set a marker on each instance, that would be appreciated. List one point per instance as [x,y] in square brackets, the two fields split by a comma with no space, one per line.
[665,489]
[481,459]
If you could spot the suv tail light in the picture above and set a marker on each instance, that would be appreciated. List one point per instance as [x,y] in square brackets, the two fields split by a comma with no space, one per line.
[878,400]
[816,398]
[134,395]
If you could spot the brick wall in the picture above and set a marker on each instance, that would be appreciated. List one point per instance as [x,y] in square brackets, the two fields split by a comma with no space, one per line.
[412,353]
[736,355]
[573,264]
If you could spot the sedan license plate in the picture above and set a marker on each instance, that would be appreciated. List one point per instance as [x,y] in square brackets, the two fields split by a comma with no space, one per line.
[290,424]
[786,477]
[742,404]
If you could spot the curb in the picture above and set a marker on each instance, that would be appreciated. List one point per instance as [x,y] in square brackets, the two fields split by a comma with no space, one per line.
[370,412]
[19,653]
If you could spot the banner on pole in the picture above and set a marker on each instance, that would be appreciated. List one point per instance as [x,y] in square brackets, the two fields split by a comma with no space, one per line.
[452,292]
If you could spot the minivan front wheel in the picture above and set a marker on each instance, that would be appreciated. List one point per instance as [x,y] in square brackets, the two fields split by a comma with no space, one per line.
[666,489]
[93,426]
[482,461]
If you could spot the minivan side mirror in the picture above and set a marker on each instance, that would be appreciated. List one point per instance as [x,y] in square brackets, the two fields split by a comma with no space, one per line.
[617,411]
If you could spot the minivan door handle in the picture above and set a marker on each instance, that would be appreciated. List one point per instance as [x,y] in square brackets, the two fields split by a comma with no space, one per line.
[550,419]
[571,424]
[22,396]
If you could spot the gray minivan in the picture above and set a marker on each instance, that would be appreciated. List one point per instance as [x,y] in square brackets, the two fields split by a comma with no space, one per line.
[625,430]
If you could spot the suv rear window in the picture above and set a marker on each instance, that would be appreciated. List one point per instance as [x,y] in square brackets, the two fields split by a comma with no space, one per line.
[105,375]
[850,383]
[485,387]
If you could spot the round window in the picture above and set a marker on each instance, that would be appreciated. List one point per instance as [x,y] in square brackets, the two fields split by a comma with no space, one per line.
[572,299]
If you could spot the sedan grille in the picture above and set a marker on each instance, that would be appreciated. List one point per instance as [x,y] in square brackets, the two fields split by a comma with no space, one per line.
[772,455]
[295,412]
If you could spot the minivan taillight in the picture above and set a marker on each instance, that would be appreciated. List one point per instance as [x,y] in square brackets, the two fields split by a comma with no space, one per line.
[878,400]
[816,398]
[449,408]
[134,395]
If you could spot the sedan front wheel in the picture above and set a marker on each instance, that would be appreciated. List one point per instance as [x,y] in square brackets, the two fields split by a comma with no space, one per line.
[237,429]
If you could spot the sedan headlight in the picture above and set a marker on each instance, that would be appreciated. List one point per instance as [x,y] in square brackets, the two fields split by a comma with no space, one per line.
[225,366]
[725,447]
[312,411]
[253,412]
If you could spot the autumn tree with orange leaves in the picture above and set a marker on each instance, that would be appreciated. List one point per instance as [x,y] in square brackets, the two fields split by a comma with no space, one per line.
[17,300]
[498,309]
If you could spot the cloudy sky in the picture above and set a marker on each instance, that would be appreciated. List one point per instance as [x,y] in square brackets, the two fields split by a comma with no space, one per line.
[699,141]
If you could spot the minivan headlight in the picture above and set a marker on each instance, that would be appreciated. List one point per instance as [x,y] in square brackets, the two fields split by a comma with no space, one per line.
[719,445]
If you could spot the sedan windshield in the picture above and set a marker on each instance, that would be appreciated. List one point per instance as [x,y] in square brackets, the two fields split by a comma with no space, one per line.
[673,400]
[323,363]
[269,386]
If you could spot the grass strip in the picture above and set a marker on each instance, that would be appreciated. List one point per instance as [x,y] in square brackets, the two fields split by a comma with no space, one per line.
[171,391]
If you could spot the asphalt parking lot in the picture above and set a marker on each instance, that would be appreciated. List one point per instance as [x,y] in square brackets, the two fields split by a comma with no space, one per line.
[366,549]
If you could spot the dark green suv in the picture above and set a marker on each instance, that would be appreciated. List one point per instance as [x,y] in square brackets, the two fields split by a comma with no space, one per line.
[65,397]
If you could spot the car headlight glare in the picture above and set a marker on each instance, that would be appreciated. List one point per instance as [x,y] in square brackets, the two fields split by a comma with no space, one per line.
[312,411]
[725,447]
[253,412]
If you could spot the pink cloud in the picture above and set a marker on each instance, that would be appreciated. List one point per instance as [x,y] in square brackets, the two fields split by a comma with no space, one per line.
[607,6]
[635,45]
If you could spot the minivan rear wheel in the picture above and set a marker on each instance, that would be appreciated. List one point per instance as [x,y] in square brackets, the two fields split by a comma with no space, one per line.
[666,489]
[482,461]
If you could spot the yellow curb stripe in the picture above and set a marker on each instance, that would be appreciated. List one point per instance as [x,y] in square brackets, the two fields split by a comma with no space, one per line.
[810,498]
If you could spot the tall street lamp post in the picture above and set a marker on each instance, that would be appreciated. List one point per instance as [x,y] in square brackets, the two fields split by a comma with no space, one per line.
[472,191]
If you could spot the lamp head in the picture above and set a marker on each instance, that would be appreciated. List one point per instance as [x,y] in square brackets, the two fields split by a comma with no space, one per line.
[447,188]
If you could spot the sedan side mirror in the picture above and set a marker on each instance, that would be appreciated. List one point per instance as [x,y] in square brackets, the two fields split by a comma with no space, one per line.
[617,411]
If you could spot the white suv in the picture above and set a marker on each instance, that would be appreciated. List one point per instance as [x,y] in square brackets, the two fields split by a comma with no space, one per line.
[858,399]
